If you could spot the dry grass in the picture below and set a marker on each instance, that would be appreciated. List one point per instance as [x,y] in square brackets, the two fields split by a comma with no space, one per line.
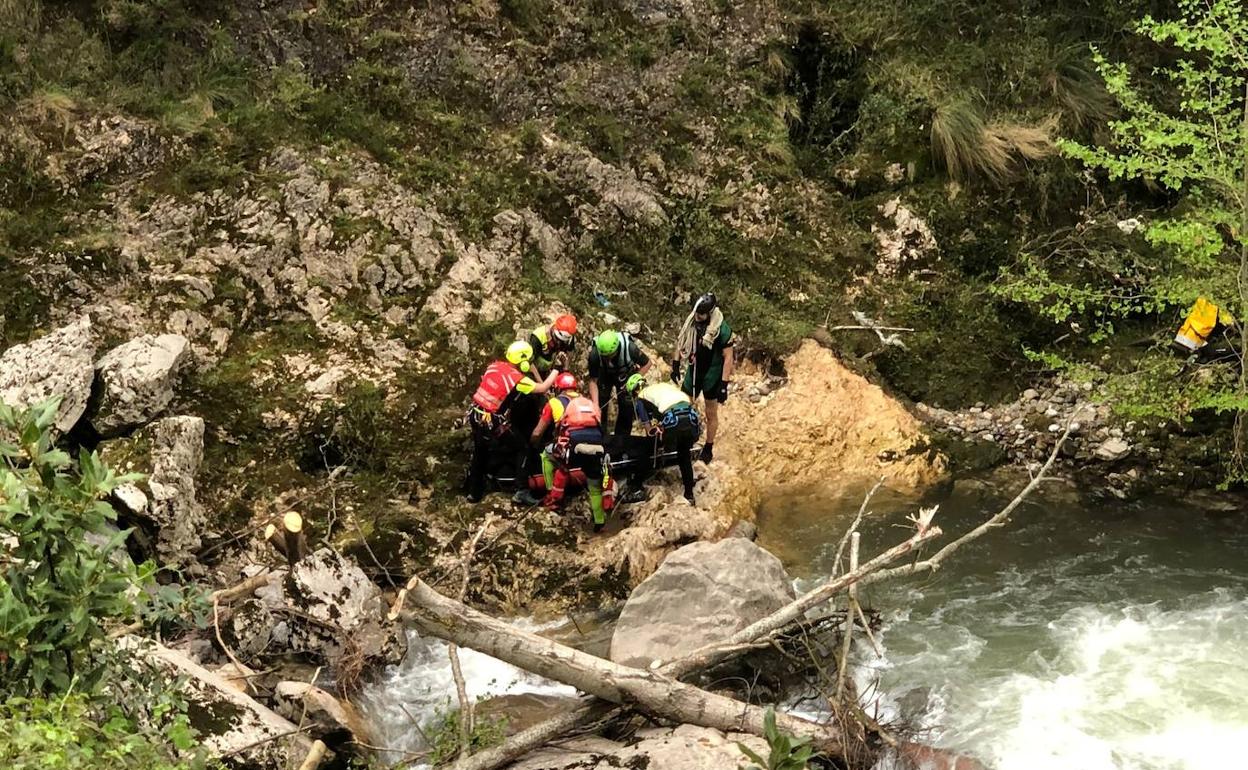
[969,147]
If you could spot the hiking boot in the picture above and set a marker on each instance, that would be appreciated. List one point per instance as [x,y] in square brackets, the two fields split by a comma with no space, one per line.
[689,497]
[598,527]
[525,497]
[473,497]
[707,454]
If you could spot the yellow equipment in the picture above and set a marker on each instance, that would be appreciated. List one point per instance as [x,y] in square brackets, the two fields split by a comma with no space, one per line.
[1200,324]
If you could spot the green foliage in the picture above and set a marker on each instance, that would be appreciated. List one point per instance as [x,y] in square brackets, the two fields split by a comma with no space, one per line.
[72,733]
[57,586]
[1184,130]
[787,752]
[442,732]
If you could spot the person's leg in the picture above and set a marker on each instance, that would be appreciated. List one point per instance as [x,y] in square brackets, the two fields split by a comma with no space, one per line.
[712,426]
[548,470]
[624,417]
[477,465]
[684,456]
[595,504]
[558,486]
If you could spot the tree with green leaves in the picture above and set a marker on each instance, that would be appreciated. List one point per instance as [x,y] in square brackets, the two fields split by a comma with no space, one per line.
[1184,131]
[57,587]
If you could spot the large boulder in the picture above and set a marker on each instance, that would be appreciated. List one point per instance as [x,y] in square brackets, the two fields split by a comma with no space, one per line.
[57,364]
[169,451]
[662,748]
[325,607]
[136,381]
[701,594]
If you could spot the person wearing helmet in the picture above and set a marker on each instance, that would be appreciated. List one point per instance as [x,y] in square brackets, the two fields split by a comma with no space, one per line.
[576,443]
[504,383]
[667,413]
[704,362]
[553,342]
[613,358]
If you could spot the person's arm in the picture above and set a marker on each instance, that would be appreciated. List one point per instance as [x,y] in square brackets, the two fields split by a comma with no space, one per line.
[527,385]
[593,393]
[542,425]
[728,364]
[640,359]
[640,409]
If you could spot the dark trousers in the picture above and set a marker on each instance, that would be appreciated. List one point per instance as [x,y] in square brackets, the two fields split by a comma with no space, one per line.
[624,402]
[488,447]
[680,436]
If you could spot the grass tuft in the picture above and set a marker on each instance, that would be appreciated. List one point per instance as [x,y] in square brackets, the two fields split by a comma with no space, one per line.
[969,147]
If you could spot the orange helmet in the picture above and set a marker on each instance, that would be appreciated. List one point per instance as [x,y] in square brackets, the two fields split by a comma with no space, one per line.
[564,328]
[565,381]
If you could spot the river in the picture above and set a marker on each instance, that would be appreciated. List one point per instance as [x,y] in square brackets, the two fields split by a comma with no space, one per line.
[1082,636]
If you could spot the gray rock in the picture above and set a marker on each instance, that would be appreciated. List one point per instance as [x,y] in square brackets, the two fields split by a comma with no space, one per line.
[136,381]
[1031,394]
[1113,449]
[701,593]
[231,722]
[57,364]
[665,748]
[334,590]
[177,449]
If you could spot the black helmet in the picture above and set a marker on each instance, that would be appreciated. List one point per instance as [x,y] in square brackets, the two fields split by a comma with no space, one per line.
[705,304]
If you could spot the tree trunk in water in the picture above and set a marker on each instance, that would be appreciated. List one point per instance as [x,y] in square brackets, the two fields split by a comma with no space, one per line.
[650,692]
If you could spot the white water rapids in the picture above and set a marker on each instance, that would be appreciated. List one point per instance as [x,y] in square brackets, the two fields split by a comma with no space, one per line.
[1080,638]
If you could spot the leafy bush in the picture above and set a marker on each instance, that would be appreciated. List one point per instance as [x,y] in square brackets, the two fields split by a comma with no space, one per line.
[71,734]
[787,751]
[57,587]
[443,734]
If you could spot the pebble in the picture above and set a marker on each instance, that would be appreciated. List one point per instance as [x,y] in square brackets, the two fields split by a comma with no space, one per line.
[1031,394]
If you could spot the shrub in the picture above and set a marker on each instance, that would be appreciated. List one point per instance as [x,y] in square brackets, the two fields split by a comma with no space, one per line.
[443,735]
[787,751]
[56,587]
[70,734]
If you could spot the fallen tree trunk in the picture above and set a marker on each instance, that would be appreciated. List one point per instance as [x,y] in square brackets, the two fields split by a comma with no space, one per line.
[746,639]
[650,691]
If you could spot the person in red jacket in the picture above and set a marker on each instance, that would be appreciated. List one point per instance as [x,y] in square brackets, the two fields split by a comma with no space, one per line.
[504,381]
[577,442]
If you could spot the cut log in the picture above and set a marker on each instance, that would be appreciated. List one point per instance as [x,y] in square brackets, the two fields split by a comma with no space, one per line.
[649,691]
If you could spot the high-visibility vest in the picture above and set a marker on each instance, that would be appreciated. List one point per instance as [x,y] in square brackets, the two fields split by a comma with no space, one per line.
[664,396]
[579,412]
[542,335]
[499,380]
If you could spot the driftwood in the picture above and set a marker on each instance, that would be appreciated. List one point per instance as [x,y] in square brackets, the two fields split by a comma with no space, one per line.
[650,691]
[314,757]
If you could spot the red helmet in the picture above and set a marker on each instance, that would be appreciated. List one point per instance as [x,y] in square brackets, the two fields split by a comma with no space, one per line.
[565,381]
[564,328]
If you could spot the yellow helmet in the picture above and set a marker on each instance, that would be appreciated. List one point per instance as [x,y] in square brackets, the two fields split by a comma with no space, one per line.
[520,353]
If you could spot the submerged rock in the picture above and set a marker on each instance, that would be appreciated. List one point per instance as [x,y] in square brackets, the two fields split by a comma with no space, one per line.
[56,364]
[664,748]
[701,594]
[136,381]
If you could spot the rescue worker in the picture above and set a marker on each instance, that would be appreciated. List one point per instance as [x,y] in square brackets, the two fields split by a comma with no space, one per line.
[615,357]
[503,383]
[552,343]
[667,413]
[704,357]
[576,443]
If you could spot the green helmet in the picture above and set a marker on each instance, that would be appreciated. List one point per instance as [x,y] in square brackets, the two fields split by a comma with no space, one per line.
[635,383]
[607,343]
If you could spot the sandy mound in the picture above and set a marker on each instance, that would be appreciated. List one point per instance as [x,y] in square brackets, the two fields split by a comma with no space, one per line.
[827,427]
